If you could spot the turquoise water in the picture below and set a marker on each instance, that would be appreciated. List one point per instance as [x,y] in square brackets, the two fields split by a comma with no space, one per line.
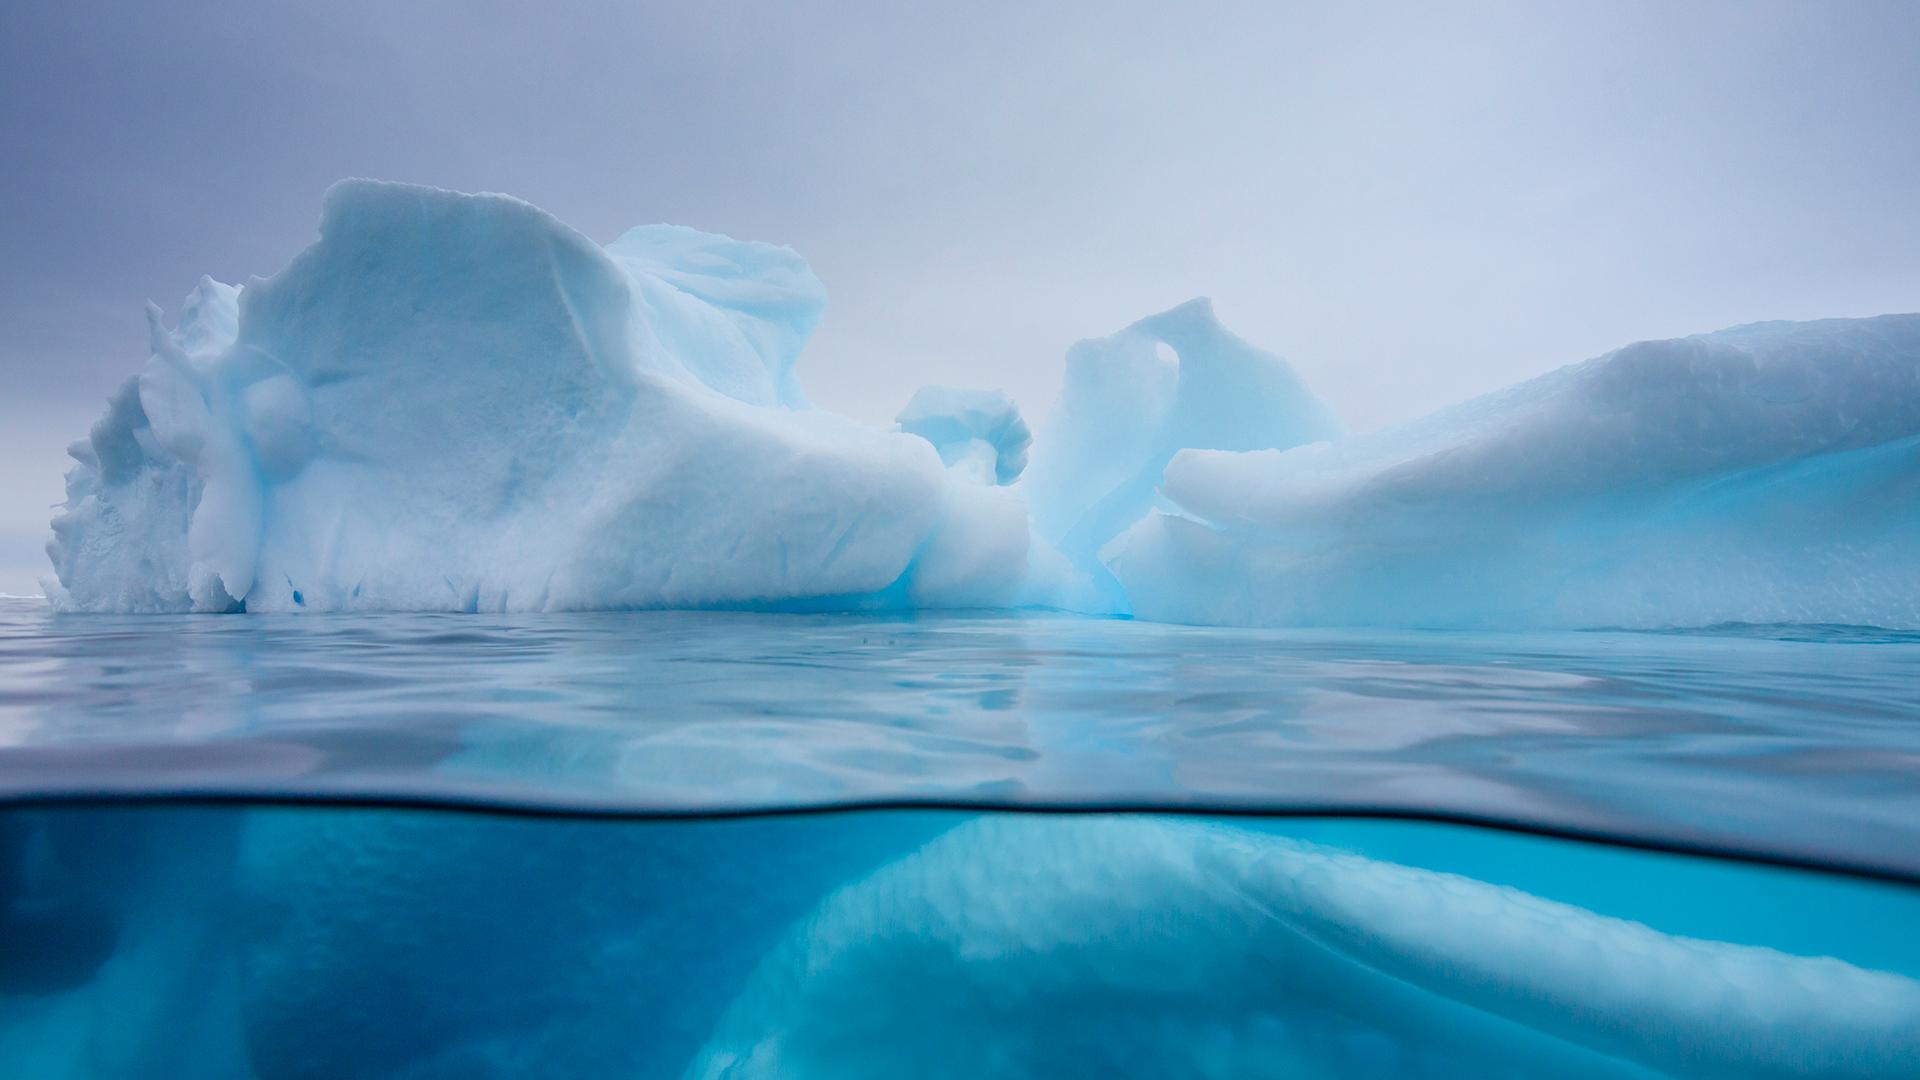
[731,845]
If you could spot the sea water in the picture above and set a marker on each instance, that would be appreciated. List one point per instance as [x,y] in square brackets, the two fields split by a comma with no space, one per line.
[655,844]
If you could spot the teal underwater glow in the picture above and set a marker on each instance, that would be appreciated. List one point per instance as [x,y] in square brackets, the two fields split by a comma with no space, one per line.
[339,941]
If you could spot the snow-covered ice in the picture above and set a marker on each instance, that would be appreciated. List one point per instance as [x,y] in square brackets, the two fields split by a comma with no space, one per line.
[455,402]
[1768,473]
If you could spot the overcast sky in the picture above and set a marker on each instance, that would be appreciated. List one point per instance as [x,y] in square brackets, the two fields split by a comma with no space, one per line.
[1414,203]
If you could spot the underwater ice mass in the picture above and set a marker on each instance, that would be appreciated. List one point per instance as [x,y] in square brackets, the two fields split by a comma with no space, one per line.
[454,402]
[277,942]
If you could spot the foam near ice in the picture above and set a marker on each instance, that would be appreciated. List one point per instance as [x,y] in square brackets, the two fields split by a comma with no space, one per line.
[454,402]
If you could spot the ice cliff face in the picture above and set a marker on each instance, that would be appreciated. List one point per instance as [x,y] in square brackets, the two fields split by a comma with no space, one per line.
[454,402]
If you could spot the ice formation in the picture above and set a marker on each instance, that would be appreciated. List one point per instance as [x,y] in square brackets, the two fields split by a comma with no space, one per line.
[1767,473]
[980,431]
[454,402]
[1134,947]
[1131,401]
[295,943]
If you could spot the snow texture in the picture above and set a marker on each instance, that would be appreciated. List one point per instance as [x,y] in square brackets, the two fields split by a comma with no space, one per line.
[1766,474]
[454,402]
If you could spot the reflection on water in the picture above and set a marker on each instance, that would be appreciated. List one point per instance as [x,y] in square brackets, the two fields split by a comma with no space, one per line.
[355,942]
[1791,742]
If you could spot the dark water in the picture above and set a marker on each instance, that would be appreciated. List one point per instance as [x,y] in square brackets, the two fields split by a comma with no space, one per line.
[435,846]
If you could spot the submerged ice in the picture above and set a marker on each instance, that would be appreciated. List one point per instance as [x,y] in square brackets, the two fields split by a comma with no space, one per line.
[1763,474]
[288,943]
[454,402]
[1141,947]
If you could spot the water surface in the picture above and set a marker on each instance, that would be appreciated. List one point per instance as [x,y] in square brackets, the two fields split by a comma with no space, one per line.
[1792,743]
[711,844]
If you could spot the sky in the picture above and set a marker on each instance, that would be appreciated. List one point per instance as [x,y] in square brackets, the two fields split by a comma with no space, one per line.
[1413,203]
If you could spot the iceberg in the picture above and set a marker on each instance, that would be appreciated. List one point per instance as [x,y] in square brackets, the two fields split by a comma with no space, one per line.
[454,402]
[1763,474]
[1131,401]
[1141,947]
[284,943]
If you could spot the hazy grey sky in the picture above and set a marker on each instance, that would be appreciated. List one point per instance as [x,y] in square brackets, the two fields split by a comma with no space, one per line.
[1414,203]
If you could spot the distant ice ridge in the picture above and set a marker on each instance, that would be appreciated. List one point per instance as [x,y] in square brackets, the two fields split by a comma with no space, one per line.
[454,402]
[1768,473]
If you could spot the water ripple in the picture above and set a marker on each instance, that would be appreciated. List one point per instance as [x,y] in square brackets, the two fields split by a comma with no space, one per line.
[1796,743]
